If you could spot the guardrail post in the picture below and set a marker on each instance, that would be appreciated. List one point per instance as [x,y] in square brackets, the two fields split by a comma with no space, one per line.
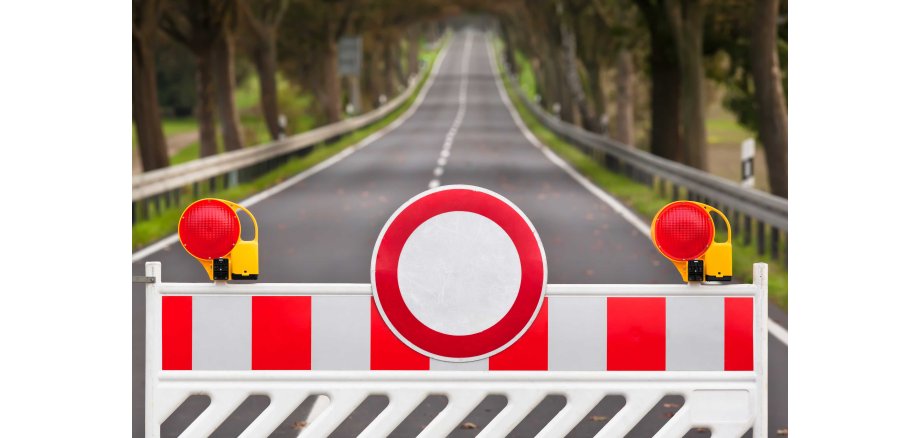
[612,162]
[675,192]
[786,249]
[774,243]
[747,229]
[195,190]
[760,238]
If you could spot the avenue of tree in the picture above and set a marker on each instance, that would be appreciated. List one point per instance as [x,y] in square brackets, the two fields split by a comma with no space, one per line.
[659,53]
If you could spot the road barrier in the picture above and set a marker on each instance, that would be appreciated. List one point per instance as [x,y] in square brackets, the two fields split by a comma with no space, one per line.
[160,188]
[705,343]
[755,210]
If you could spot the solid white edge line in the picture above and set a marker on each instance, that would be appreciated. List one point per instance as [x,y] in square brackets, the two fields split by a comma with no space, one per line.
[252,200]
[778,331]
[775,329]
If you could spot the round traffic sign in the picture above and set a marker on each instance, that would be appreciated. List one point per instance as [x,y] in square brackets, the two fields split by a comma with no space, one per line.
[458,273]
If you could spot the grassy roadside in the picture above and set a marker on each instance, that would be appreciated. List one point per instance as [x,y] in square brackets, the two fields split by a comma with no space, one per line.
[640,198]
[145,232]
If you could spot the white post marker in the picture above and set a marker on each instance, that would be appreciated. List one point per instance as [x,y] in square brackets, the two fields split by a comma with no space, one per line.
[282,123]
[458,273]
[747,162]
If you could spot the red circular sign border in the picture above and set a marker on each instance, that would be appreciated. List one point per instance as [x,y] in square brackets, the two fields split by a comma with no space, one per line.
[384,268]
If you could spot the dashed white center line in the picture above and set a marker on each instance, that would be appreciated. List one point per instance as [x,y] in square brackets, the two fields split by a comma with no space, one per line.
[461,112]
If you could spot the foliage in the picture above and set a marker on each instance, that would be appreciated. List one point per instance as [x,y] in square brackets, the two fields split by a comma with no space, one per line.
[146,232]
[645,201]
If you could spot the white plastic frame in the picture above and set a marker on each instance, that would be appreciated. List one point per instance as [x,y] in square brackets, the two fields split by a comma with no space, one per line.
[711,397]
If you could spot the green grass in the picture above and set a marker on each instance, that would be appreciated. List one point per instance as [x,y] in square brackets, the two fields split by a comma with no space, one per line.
[642,199]
[164,224]
[170,127]
[721,127]
[526,78]
[186,154]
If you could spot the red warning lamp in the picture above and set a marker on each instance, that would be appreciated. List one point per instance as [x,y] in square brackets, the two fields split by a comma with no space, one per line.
[684,232]
[209,230]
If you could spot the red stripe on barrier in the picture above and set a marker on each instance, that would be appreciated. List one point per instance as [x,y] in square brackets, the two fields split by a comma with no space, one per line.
[390,353]
[531,351]
[636,336]
[739,334]
[281,333]
[177,333]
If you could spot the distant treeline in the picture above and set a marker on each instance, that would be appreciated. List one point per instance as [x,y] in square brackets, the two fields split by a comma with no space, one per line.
[188,56]
[660,53]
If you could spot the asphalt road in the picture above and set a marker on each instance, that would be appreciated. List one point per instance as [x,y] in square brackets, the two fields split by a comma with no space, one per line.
[323,229]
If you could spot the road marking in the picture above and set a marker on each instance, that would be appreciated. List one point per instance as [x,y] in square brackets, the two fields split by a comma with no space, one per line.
[458,119]
[775,329]
[778,331]
[252,200]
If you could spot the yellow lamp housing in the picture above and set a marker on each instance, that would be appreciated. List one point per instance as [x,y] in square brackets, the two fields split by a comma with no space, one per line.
[209,230]
[684,232]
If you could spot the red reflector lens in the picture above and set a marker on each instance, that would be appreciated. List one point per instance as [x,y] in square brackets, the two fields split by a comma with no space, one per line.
[683,231]
[209,229]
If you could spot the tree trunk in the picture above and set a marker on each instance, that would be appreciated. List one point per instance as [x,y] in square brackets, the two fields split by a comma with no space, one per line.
[204,108]
[624,99]
[390,74]
[401,76]
[145,108]
[563,97]
[265,59]
[686,18]
[599,98]
[372,74]
[413,52]
[768,90]
[573,80]
[332,85]
[665,75]
[226,84]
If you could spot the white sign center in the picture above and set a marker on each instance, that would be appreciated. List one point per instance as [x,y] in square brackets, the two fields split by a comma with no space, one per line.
[459,273]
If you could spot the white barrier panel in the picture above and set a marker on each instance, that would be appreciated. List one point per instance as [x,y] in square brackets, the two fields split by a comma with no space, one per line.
[290,341]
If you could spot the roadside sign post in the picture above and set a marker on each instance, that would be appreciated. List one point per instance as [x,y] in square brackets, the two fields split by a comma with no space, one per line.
[747,162]
[349,58]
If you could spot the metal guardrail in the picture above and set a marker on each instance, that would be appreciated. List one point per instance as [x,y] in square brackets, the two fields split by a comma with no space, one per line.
[150,188]
[743,205]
